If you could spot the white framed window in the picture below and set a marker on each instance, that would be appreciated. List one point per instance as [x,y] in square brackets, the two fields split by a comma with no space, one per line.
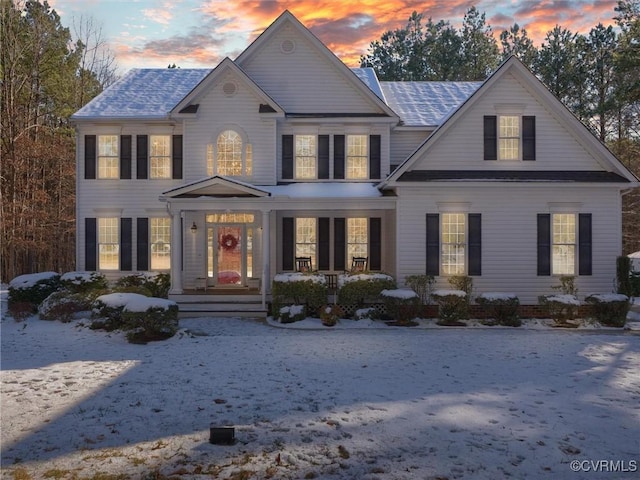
[109,243]
[357,238]
[160,243]
[357,161]
[453,243]
[509,137]
[305,163]
[228,158]
[307,238]
[563,238]
[160,156]
[108,156]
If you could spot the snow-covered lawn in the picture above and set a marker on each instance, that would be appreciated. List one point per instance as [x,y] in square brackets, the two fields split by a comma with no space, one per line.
[372,403]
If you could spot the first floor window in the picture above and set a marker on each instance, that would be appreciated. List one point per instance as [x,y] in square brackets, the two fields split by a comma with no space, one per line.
[160,239]
[305,157]
[563,258]
[357,238]
[160,156]
[453,243]
[306,238]
[357,156]
[108,156]
[109,243]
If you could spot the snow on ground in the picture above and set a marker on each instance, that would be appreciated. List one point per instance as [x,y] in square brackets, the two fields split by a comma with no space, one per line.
[367,403]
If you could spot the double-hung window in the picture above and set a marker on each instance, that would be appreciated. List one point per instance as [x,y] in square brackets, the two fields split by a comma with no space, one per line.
[109,243]
[160,243]
[357,157]
[108,156]
[563,237]
[509,137]
[357,238]
[306,238]
[160,156]
[305,157]
[453,253]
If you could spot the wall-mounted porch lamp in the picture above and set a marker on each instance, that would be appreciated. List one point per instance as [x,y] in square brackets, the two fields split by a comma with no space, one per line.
[194,228]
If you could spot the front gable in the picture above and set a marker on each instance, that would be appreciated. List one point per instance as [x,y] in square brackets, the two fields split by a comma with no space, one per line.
[305,77]
[215,186]
[549,139]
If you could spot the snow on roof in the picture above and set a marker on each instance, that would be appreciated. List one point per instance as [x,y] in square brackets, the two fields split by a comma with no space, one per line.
[426,103]
[323,190]
[143,93]
[370,79]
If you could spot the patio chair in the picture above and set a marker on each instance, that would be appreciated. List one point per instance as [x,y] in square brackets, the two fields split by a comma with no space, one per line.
[303,264]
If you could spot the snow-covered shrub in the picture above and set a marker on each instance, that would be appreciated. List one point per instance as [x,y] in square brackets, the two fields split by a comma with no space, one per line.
[453,307]
[422,285]
[299,289]
[148,318]
[502,308]
[402,304]
[31,289]
[356,289]
[561,308]
[107,310]
[610,309]
[62,305]
[83,282]
[330,314]
[291,313]
[152,284]
[369,313]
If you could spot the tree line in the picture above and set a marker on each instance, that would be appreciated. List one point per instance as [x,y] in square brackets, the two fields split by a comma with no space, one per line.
[48,71]
[596,75]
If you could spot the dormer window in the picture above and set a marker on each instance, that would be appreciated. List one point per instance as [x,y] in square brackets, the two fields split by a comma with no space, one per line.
[233,157]
[509,137]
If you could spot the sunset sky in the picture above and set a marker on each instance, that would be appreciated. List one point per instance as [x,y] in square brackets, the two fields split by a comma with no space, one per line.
[200,33]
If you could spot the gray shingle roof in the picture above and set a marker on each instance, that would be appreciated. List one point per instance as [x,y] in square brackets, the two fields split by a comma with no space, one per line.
[426,103]
[143,93]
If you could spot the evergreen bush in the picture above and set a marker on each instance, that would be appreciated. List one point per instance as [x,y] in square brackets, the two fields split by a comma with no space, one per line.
[502,308]
[358,289]
[84,282]
[150,319]
[32,290]
[561,308]
[402,305]
[610,310]
[453,307]
[291,313]
[330,314]
[422,285]
[63,305]
[300,289]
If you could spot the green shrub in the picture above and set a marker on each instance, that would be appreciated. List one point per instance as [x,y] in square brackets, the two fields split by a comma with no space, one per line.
[610,310]
[31,289]
[300,289]
[156,284]
[502,308]
[402,305]
[422,285]
[357,289]
[291,313]
[84,282]
[628,281]
[147,319]
[561,308]
[63,305]
[107,310]
[453,307]
[330,314]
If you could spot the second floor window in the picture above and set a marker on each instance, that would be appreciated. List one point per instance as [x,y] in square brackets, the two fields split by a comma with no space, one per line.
[509,138]
[108,156]
[305,157]
[357,156]
[160,156]
[233,157]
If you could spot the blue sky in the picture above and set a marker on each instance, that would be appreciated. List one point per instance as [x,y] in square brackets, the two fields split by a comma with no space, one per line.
[200,33]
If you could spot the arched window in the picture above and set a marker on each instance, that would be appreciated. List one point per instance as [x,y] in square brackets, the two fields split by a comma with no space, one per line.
[233,157]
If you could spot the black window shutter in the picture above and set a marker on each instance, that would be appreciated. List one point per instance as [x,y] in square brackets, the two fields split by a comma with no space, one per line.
[338,156]
[528,138]
[584,244]
[287,159]
[125,157]
[324,243]
[339,240]
[544,244]
[90,244]
[126,235]
[375,243]
[142,246]
[490,137]
[323,156]
[475,244]
[90,157]
[142,147]
[433,244]
[374,156]
[288,243]
[176,160]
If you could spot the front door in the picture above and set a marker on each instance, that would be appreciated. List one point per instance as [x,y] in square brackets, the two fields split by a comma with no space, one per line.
[228,246]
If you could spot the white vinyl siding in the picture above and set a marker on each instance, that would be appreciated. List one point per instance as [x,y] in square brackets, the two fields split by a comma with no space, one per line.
[108,156]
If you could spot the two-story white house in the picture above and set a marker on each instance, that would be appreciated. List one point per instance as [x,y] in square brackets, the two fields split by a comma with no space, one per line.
[223,177]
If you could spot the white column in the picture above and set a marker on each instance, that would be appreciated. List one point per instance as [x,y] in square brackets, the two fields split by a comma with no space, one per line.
[176,253]
[265,257]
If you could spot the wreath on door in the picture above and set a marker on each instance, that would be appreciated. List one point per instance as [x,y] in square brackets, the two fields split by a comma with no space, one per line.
[228,242]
